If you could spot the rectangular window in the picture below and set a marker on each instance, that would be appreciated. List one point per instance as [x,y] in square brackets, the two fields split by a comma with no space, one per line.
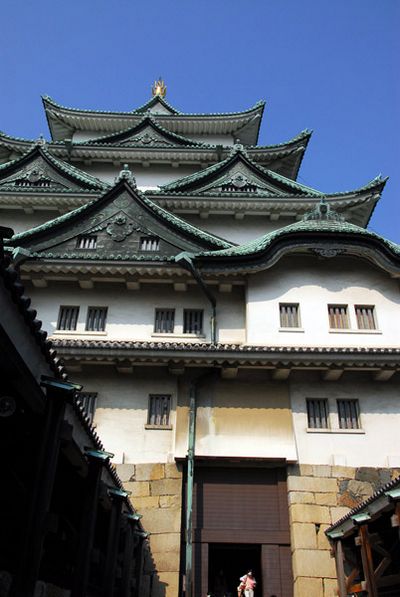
[88,402]
[149,243]
[96,319]
[67,318]
[159,409]
[193,321]
[289,315]
[317,413]
[338,317]
[164,321]
[86,241]
[365,317]
[348,413]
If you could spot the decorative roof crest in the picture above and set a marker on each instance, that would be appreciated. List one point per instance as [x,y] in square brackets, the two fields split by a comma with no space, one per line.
[126,174]
[323,211]
[159,88]
[41,141]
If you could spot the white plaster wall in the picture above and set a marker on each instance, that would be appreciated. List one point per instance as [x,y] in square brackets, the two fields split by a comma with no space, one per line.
[376,444]
[131,312]
[314,284]
[122,409]
[146,178]
[20,221]
[236,231]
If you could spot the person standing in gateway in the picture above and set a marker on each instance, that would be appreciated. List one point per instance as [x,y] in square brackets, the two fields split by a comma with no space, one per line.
[248,582]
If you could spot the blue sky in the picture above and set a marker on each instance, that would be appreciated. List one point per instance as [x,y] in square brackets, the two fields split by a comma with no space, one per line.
[328,66]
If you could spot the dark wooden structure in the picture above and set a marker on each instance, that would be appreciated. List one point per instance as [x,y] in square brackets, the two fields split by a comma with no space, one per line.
[66,522]
[366,545]
[240,521]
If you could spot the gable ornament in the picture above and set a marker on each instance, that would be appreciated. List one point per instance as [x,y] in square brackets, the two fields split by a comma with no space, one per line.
[120,228]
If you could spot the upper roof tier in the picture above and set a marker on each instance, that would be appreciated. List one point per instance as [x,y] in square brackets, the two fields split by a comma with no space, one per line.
[64,122]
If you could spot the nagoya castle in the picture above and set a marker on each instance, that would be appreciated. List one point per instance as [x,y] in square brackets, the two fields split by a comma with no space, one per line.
[236,334]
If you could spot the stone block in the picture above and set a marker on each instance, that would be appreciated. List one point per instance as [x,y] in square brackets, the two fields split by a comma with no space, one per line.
[321,470]
[170,580]
[338,513]
[348,500]
[126,472]
[313,563]
[166,561]
[170,501]
[138,488]
[368,474]
[394,473]
[301,497]
[343,472]
[149,472]
[165,542]
[303,536]
[306,470]
[145,503]
[308,587]
[322,539]
[330,587]
[309,513]
[326,499]
[162,520]
[362,489]
[166,487]
[173,471]
[314,484]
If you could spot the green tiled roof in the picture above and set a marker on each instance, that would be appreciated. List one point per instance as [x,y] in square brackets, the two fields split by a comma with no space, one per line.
[238,151]
[309,226]
[48,100]
[78,175]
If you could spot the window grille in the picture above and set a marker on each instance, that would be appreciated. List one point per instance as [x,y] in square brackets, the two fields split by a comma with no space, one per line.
[193,321]
[149,243]
[164,321]
[88,401]
[67,318]
[317,413]
[96,319]
[87,241]
[365,317]
[338,317]
[41,183]
[348,413]
[159,409]
[289,315]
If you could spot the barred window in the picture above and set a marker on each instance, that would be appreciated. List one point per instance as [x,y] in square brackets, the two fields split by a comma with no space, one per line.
[86,241]
[159,409]
[289,315]
[317,413]
[365,317]
[348,413]
[96,319]
[164,321]
[67,318]
[149,243]
[338,317]
[88,401]
[193,321]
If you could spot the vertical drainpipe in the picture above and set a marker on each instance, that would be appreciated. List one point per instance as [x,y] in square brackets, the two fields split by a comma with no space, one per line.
[185,260]
[189,488]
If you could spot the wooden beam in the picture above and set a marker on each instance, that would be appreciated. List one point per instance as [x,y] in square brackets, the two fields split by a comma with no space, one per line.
[367,561]
[332,374]
[339,557]
[225,287]
[86,283]
[39,282]
[384,374]
[229,372]
[180,287]
[281,374]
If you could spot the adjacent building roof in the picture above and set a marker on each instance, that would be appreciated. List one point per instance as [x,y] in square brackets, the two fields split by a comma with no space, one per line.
[63,121]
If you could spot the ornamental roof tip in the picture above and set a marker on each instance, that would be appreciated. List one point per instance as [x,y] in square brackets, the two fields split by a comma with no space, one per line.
[126,174]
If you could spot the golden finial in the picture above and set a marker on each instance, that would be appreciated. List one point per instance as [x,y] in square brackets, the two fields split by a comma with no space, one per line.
[159,88]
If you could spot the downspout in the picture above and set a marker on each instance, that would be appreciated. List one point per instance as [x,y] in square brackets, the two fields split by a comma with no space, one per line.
[194,385]
[184,259]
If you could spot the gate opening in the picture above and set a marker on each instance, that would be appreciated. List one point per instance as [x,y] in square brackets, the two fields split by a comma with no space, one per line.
[227,562]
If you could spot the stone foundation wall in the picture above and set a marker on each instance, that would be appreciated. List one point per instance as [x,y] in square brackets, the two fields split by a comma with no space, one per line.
[318,496]
[157,495]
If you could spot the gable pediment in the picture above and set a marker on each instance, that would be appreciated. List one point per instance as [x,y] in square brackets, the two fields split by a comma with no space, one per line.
[38,171]
[241,179]
[121,225]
